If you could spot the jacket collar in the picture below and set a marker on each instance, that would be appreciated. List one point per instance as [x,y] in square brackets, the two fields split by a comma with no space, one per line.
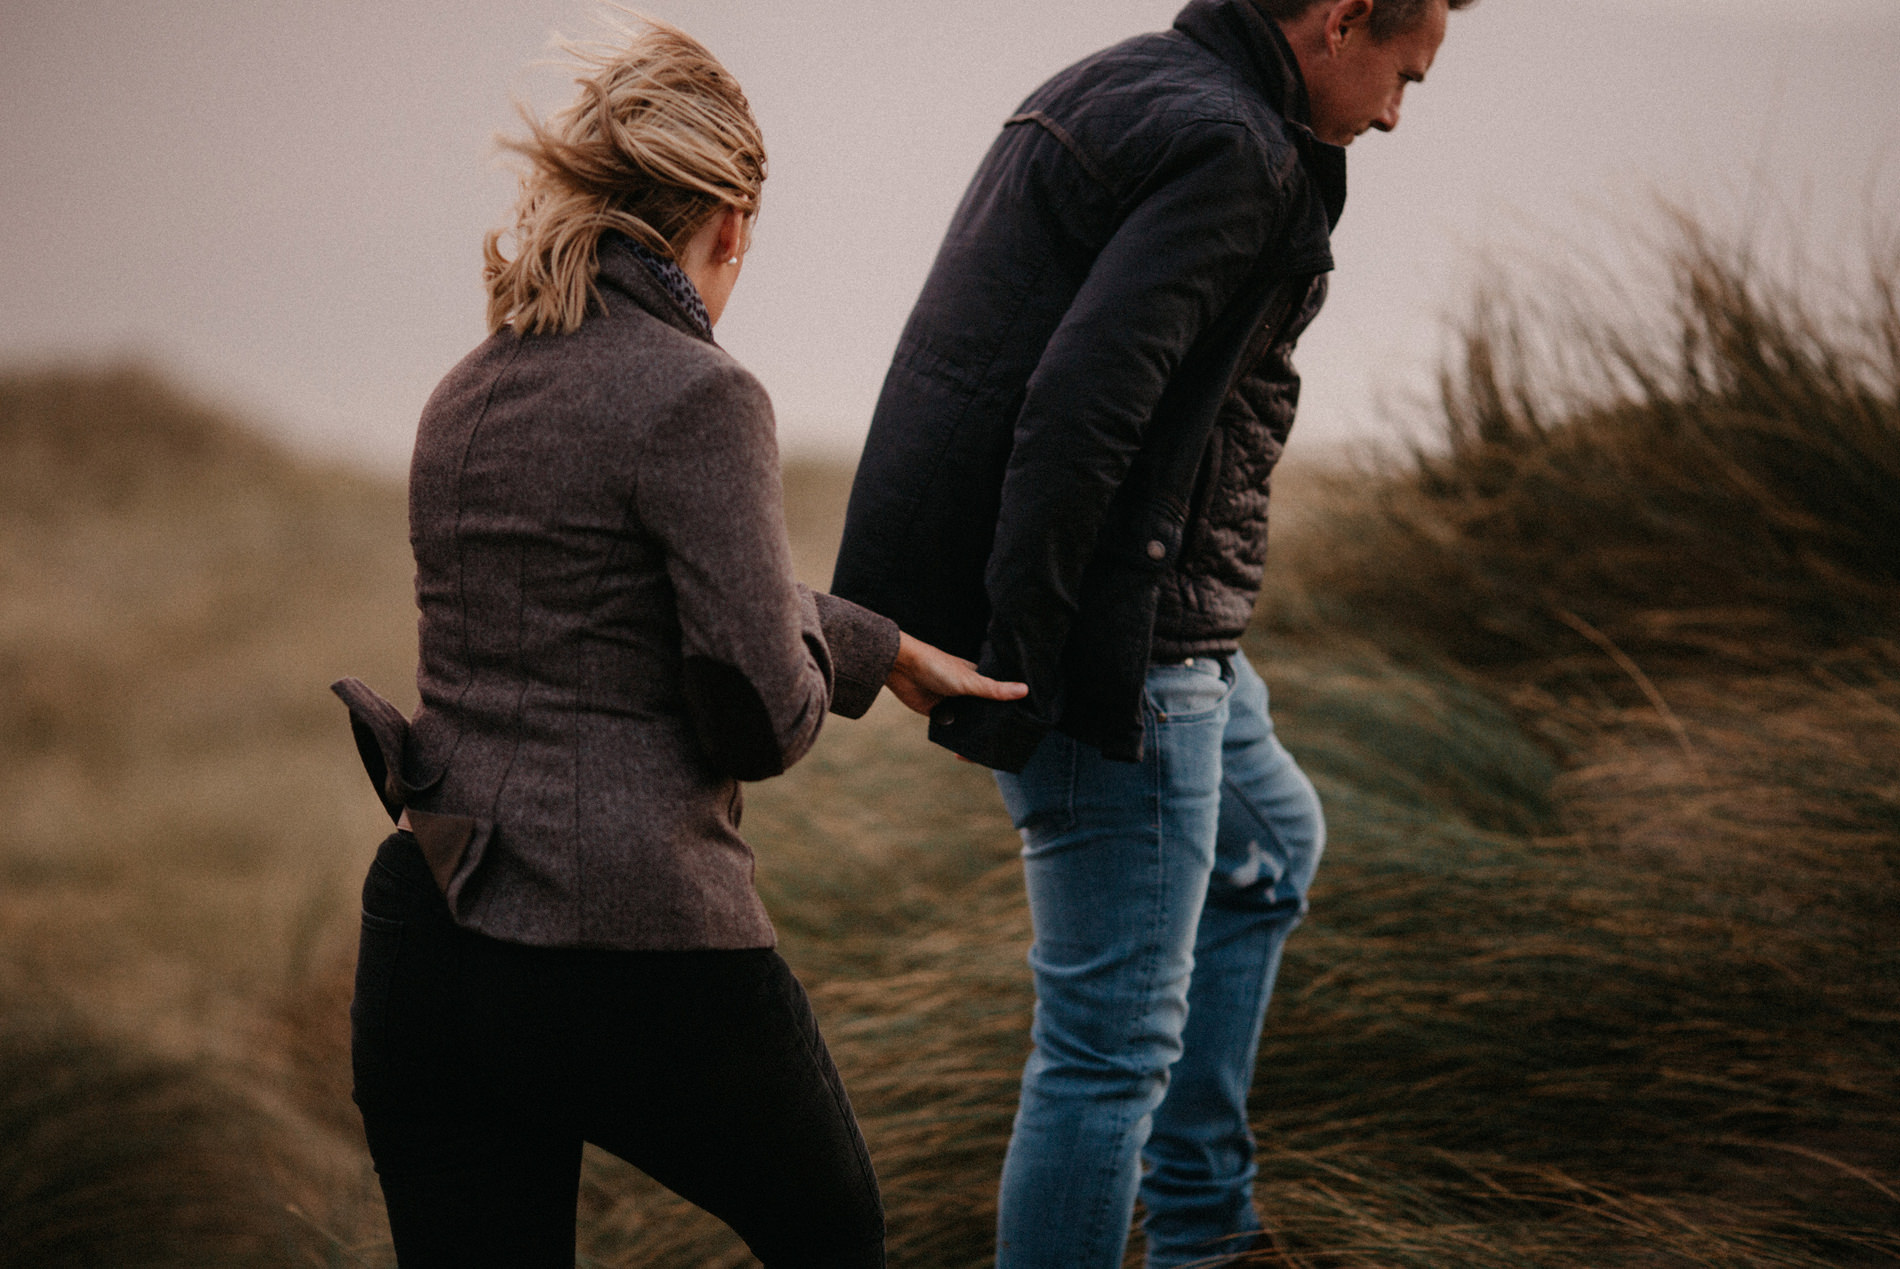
[1238,33]
[621,270]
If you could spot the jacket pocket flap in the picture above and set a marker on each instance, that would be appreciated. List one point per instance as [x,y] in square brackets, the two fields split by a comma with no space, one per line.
[381,734]
[452,845]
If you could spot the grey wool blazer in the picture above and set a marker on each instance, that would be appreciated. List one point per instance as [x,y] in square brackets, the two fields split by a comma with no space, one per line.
[611,638]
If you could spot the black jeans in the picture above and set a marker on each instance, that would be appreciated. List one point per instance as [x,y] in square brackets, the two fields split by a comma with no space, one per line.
[482,1066]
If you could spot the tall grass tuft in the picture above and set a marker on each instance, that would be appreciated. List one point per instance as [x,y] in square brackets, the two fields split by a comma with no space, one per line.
[109,1157]
[1660,1028]
[1705,463]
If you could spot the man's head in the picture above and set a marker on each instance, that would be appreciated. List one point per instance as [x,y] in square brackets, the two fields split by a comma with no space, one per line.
[1357,56]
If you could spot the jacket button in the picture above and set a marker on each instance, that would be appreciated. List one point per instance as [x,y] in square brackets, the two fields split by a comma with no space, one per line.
[1157,551]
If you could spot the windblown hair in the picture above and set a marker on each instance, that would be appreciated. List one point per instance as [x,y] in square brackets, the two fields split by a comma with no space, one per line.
[659,140]
[1389,17]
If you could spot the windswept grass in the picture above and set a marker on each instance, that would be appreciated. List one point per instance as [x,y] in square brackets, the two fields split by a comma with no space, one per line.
[113,1155]
[180,834]
[108,1159]
[1601,690]
[1715,474]
[1664,1027]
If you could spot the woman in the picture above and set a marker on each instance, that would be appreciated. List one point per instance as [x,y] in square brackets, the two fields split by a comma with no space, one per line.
[562,943]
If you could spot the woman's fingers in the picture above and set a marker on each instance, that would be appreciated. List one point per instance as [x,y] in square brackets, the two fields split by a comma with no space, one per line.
[924,674]
[970,683]
[938,671]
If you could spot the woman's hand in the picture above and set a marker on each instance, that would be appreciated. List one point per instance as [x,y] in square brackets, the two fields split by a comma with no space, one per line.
[924,674]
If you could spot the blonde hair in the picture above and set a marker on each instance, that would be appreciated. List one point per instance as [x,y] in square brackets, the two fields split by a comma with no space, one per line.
[660,139]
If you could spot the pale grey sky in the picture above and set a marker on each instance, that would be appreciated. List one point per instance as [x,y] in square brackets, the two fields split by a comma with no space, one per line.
[284,204]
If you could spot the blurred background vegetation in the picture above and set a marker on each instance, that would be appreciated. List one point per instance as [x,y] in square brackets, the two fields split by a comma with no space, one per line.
[1601,685]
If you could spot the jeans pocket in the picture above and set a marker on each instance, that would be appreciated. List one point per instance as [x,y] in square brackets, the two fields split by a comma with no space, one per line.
[1041,800]
[1188,691]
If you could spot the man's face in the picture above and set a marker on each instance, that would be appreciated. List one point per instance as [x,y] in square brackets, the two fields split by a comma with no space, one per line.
[1358,82]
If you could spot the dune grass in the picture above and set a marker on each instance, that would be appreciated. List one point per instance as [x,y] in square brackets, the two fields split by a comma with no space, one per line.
[107,1157]
[1664,1026]
[181,837]
[1715,474]
[1601,691]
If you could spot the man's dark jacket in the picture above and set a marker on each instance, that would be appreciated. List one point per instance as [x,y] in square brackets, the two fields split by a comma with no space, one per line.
[1066,476]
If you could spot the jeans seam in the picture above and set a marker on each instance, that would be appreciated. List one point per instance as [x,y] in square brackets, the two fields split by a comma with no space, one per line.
[1229,682]
[1253,809]
[1156,911]
[1108,1174]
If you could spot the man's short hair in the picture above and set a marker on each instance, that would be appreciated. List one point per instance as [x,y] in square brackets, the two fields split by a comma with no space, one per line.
[1389,17]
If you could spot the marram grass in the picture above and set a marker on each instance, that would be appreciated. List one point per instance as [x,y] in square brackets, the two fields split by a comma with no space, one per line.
[1601,690]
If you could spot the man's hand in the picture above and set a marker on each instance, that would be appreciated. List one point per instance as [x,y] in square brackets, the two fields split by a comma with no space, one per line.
[924,674]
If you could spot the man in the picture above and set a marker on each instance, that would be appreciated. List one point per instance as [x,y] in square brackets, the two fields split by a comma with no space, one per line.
[1066,480]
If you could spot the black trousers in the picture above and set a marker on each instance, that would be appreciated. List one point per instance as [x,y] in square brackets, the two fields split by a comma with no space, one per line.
[481,1067]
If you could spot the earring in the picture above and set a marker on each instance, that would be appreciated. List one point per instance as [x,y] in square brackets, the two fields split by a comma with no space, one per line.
[734,260]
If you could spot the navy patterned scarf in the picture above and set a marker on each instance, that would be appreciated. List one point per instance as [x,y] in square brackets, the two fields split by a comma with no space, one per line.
[669,275]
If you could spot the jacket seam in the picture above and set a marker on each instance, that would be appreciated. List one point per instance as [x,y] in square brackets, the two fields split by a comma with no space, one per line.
[461,510]
[1068,142]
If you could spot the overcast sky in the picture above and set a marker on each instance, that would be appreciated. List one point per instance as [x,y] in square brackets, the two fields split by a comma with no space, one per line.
[283,204]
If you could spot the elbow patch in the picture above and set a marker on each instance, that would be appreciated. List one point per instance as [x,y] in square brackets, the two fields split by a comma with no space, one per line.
[731,720]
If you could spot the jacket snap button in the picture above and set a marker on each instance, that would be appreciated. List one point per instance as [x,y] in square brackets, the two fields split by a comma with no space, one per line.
[1157,551]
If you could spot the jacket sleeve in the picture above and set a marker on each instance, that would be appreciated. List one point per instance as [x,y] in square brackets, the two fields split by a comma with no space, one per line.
[758,669]
[863,648]
[1197,225]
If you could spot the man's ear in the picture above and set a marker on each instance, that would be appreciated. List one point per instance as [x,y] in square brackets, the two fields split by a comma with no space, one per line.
[1347,21]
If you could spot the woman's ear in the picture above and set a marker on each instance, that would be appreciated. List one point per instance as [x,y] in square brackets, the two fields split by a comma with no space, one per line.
[730,245]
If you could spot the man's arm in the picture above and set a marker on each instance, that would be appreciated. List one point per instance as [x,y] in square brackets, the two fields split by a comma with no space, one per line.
[1181,255]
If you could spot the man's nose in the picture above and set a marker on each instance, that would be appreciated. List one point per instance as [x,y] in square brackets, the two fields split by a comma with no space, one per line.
[1389,117]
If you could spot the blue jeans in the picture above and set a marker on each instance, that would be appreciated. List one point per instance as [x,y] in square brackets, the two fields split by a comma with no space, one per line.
[1162,893]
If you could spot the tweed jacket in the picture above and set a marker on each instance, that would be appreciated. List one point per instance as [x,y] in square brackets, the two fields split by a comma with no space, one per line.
[610,636]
